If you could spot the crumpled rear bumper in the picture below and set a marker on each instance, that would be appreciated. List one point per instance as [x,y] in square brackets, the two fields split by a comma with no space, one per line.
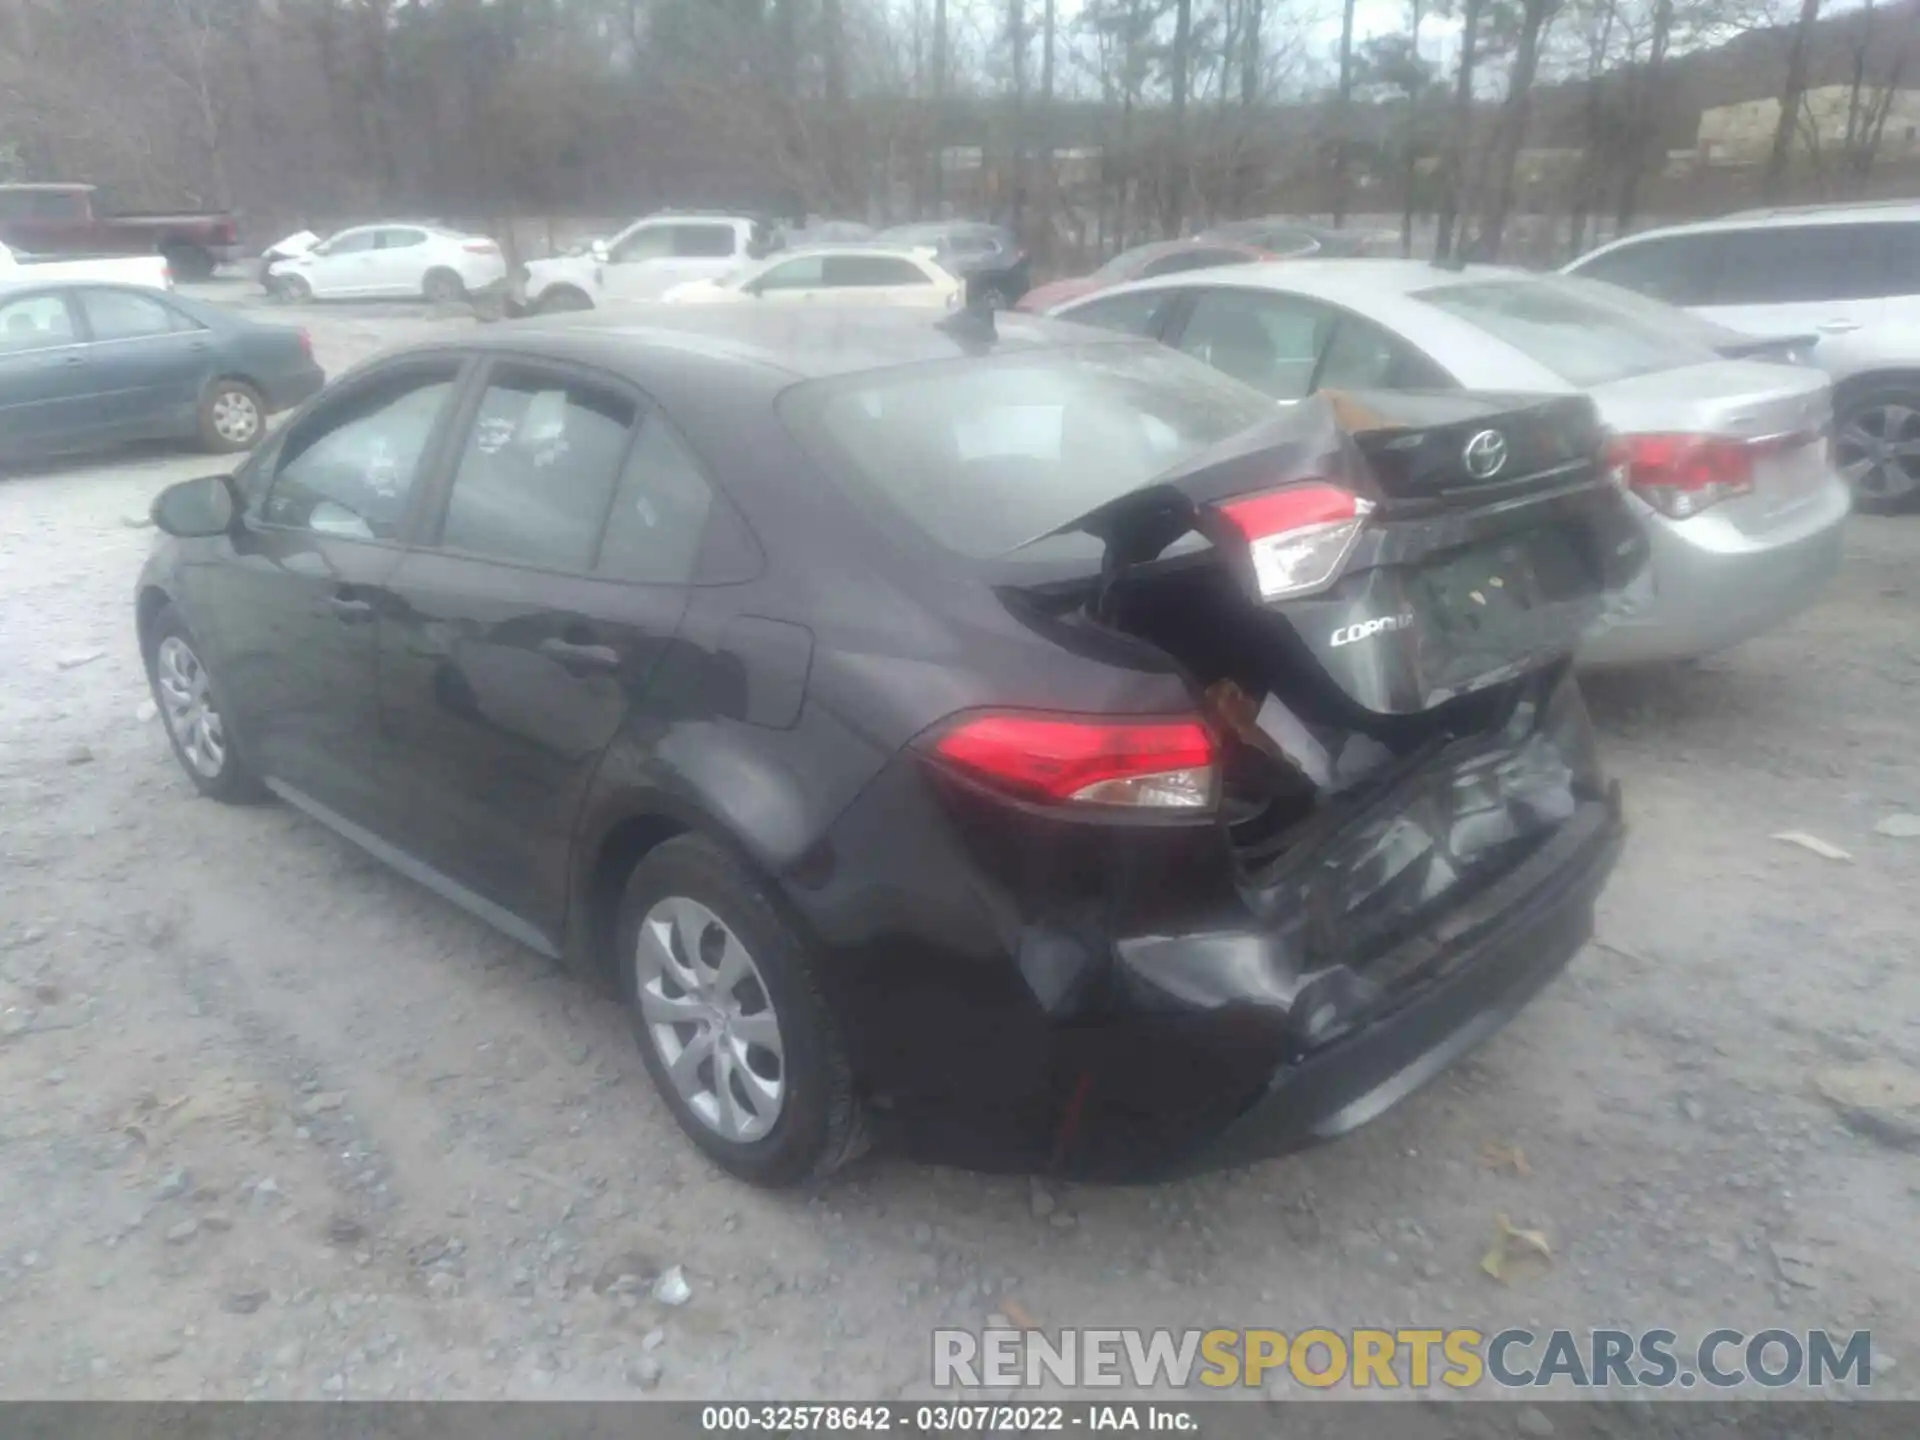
[1492,956]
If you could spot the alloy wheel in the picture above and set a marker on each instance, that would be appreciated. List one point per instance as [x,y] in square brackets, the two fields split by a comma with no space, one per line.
[188,705]
[711,1020]
[1878,451]
[235,416]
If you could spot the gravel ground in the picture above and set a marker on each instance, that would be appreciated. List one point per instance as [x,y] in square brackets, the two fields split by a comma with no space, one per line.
[275,1122]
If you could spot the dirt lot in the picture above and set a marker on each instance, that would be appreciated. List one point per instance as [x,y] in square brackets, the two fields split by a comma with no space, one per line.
[276,1122]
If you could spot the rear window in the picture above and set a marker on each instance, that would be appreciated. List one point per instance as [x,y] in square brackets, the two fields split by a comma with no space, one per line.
[984,455]
[1583,339]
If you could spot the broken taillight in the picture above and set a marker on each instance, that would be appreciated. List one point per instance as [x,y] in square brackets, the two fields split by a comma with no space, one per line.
[1299,536]
[1151,763]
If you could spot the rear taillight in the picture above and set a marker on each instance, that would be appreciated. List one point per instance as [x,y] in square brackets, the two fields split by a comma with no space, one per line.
[1681,475]
[166,277]
[481,247]
[306,343]
[1299,536]
[1134,763]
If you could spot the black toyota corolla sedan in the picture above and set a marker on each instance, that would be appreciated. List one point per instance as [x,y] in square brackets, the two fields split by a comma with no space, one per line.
[1017,744]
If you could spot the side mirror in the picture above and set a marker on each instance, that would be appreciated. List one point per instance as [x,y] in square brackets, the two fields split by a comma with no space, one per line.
[598,250]
[196,508]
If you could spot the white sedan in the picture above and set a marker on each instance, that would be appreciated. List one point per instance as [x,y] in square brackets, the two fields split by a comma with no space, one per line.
[1725,461]
[389,260]
[870,274]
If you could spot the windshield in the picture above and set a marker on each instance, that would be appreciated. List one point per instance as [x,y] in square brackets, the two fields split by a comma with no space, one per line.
[984,455]
[1584,338]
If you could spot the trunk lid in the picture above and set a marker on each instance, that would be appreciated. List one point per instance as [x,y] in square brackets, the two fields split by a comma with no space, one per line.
[1782,414]
[1393,552]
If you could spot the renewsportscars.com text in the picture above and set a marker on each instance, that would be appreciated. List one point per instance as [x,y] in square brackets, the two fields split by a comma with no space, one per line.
[1410,1358]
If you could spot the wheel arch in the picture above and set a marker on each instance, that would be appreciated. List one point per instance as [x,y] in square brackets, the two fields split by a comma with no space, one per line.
[152,600]
[1866,382]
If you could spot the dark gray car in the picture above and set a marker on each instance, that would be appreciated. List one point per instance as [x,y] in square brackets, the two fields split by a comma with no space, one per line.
[85,366]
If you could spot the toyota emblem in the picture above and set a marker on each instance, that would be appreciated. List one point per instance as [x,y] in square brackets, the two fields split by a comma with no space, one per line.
[1486,454]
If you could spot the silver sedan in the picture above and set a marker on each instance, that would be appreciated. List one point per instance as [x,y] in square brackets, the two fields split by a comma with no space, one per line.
[1727,460]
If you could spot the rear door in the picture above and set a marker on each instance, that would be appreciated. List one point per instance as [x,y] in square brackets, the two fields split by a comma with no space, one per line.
[530,623]
[1833,281]
[801,279]
[399,260]
[146,361]
[46,395]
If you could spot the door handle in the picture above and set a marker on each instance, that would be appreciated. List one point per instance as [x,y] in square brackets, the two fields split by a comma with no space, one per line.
[1837,327]
[73,360]
[351,611]
[580,658]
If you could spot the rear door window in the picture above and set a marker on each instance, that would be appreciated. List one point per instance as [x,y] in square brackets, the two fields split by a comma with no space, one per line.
[402,239]
[1271,342]
[1362,356]
[122,315]
[803,273]
[659,513]
[1138,313]
[1806,264]
[537,470]
[1193,260]
[858,270]
[352,465]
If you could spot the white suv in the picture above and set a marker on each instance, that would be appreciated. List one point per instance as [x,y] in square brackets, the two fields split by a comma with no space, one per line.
[642,262]
[1847,277]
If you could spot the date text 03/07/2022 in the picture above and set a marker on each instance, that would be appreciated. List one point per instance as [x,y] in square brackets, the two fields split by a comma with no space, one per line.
[945,1418]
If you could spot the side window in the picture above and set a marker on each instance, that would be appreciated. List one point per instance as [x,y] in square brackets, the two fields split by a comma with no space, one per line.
[802,274]
[1900,259]
[1270,342]
[873,270]
[121,315]
[1804,264]
[38,322]
[704,241]
[658,518]
[538,469]
[349,242]
[650,242]
[1135,314]
[1362,356]
[402,239]
[353,464]
[1287,242]
[1675,268]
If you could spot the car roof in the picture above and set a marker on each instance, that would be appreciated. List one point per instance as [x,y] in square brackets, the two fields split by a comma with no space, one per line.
[803,343]
[854,247]
[1855,213]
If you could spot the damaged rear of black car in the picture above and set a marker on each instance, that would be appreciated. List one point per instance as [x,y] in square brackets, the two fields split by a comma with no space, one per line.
[1273,793]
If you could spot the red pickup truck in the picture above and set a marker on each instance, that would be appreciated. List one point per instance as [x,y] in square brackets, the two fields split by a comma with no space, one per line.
[61,218]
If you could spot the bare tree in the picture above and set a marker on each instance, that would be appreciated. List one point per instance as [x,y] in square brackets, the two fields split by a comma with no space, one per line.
[1510,134]
[1790,98]
[1343,114]
[1459,132]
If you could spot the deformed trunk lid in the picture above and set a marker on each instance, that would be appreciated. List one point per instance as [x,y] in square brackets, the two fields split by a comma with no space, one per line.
[1492,537]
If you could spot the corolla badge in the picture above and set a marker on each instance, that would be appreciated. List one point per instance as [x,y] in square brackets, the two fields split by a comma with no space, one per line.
[1367,629]
[1486,454]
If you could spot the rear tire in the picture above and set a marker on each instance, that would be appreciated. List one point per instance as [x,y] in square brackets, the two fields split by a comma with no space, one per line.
[189,262]
[183,691]
[1877,439]
[563,300]
[233,417]
[443,287]
[726,1007]
[294,289]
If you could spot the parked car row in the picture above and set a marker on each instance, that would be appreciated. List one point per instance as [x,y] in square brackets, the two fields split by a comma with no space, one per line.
[960,731]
